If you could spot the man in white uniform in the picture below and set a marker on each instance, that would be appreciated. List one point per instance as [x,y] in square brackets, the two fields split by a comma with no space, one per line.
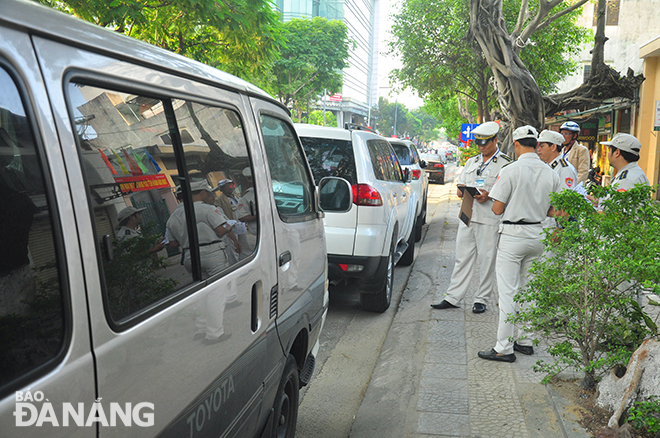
[211,227]
[522,197]
[623,155]
[479,240]
[130,219]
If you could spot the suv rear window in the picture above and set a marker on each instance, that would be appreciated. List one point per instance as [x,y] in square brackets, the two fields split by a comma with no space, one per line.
[404,154]
[330,157]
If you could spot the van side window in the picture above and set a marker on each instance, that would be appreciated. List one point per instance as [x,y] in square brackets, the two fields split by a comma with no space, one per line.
[292,186]
[128,161]
[383,160]
[32,321]
[215,151]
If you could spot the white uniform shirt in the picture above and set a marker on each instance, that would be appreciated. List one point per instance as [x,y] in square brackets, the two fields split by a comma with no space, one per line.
[127,233]
[567,174]
[244,209]
[208,218]
[628,176]
[525,186]
[483,175]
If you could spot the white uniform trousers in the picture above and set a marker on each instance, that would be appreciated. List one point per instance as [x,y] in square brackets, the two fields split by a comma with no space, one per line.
[476,242]
[514,257]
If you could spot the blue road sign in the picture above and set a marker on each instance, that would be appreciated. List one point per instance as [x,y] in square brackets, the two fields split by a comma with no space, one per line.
[466,131]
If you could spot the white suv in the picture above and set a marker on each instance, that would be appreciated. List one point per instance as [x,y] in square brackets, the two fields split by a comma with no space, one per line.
[409,159]
[377,231]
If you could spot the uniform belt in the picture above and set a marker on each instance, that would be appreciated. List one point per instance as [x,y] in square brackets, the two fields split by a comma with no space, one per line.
[520,223]
[207,244]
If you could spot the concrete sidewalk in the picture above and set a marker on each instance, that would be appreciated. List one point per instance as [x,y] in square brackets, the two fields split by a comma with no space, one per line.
[429,381]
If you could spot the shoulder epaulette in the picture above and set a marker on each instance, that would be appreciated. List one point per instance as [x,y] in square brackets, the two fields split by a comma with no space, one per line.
[506,158]
[563,162]
[507,163]
[624,174]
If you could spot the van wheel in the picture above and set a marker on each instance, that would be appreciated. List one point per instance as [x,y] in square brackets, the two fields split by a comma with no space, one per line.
[380,287]
[409,256]
[286,402]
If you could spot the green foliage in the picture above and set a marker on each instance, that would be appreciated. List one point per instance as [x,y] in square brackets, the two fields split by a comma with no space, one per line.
[316,118]
[646,415]
[242,37]
[447,111]
[417,124]
[467,153]
[132,278]
[312,61]
[441,60]
[582,291]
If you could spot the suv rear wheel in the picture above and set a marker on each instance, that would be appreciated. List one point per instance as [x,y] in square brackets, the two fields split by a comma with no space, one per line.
[409,256]
[379,295]
[421,220]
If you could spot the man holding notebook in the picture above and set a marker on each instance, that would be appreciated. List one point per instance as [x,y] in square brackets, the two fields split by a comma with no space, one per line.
[476,238]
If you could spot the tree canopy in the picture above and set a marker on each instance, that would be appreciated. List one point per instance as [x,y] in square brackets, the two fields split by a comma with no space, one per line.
[417,124]
[443,62]
[312,61]
[241,37]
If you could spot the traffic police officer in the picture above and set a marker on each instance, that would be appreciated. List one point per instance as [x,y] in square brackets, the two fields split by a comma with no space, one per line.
[211,227]
[479,240]
[521,196]
[623,155]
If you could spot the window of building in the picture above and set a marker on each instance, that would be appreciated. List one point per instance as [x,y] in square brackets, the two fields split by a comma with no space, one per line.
[32,317]
[586,72]
[611,13]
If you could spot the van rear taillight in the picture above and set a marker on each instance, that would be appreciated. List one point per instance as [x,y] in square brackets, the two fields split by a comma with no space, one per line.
[364,194]
[416,173]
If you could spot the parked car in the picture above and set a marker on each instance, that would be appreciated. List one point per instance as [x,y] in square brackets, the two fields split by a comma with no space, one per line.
[116,320]
[366,241]
[409,159]
[435,167]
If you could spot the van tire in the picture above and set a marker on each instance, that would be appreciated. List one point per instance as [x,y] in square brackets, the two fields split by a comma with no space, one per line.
[379,297]
[285,415]
[409,256]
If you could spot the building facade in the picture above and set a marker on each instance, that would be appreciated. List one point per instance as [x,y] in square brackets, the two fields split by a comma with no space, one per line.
[360,87]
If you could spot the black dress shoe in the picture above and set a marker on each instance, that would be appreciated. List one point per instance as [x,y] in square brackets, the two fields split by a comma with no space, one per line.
[524,349]
[444,304]
[478,308]
[494,355]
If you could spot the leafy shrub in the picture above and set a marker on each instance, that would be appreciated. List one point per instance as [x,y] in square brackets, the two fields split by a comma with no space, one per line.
[646,415]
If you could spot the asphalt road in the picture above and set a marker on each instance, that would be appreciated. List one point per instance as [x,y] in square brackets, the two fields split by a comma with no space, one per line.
[351,342]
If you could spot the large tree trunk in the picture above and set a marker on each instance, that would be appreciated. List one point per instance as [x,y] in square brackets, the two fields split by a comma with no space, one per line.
[518,94]
[603,82]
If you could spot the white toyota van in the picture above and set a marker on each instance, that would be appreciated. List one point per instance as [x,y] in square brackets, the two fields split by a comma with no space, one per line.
[132,303]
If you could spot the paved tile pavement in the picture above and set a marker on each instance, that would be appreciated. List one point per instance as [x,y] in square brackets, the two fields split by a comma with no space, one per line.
[429,381]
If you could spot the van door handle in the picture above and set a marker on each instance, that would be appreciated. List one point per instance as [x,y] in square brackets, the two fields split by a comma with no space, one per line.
[285,258]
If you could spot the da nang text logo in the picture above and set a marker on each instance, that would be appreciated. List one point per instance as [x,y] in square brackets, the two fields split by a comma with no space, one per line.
[34,409]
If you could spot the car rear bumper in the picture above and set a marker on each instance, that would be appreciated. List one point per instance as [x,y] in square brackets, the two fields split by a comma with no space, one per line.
[368,266]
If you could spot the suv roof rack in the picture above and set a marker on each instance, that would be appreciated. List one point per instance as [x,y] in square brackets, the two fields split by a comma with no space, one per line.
[356,127]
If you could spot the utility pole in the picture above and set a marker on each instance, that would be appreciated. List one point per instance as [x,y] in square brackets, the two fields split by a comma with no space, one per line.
[325,92]
[395,111]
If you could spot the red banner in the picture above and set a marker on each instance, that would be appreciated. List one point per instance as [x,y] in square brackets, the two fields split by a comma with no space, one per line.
[337,97]
[130,184]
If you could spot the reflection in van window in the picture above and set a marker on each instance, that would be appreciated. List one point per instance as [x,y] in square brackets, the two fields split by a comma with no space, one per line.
[217,153]
[122,146]
[31,309]
[384,161]
[291,184]
[138,193]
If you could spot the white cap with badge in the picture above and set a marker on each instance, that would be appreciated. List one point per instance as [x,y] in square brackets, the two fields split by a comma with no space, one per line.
[128,212]
[526,131]
[552,137]
[485,132]
[199,186]
[625,142]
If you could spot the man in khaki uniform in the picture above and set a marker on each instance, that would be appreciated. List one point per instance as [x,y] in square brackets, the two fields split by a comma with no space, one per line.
[574,152]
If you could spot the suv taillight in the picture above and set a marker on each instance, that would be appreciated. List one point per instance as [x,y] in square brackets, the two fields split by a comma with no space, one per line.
[440,165]
[364,194]
[416,173]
